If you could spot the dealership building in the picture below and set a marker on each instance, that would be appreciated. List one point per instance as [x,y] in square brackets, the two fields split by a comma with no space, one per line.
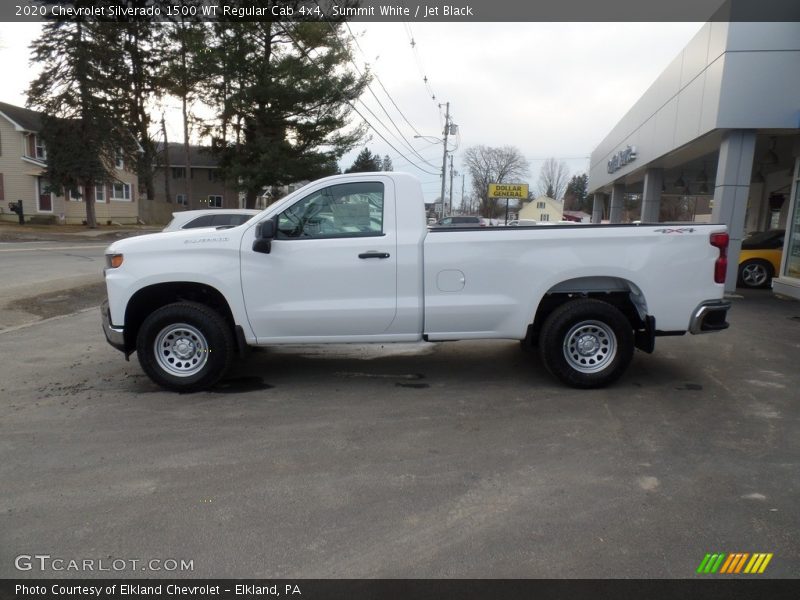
[715,139]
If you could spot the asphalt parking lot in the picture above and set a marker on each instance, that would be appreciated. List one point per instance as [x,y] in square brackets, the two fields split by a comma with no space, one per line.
[451,460]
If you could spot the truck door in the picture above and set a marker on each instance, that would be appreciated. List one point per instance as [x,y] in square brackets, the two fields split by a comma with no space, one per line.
[332,268]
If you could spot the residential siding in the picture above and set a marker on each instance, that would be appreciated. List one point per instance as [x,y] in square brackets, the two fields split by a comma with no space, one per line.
[553,208]
[18,178]
[123,212]
[159,210]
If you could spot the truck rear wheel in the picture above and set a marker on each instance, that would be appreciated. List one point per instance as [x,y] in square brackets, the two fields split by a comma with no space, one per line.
[586,343]
[185,347]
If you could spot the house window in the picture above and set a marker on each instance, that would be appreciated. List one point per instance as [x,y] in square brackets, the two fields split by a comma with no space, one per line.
[181,199]
[215,201]
[544,217]
[121,191]
[541,205]
[39,150]
[178,173]
[99,193]
[76,195]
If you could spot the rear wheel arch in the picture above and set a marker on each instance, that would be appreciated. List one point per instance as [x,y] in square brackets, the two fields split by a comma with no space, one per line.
[621,293]
[586,343]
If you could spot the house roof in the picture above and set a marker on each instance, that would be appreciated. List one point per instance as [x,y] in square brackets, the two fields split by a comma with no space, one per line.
[199,156]
[23,118]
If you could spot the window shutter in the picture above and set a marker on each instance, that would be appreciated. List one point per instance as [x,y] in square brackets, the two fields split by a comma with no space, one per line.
[109,192]
[32,145]
[2,190]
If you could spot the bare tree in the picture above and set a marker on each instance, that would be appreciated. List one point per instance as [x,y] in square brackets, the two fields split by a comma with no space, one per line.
[493,165]
[553,179]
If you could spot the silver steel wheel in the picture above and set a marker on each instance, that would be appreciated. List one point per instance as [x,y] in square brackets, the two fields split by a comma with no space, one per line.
[754,274]
[590,346]
[181,350]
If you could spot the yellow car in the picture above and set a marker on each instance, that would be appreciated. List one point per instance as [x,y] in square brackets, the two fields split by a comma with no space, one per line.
[760,258]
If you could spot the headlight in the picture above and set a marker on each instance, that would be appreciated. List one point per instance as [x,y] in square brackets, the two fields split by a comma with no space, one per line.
[113,261]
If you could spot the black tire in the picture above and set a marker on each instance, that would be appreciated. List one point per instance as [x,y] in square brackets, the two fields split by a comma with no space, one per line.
[755,273]
[606,336]
[195,346]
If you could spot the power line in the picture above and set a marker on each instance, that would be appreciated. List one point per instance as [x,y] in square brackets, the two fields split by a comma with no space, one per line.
[402,138]
[378,79]
[353,106]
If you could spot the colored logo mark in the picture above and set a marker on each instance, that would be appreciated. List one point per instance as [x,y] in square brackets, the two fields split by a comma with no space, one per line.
[734,564]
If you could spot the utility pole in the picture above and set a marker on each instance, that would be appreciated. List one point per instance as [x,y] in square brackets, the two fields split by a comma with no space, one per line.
[167,164]
[444,154]
[462,191]
[451,186]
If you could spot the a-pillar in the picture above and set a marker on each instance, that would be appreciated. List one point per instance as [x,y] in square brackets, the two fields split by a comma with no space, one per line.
[651,197]
[598,208]
[732,186]
[617,202]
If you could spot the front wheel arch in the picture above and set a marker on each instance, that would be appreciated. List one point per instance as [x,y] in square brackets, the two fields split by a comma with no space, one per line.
[185,346]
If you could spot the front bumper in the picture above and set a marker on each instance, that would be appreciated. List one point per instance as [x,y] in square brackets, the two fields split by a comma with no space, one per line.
[114,335]
[710,316]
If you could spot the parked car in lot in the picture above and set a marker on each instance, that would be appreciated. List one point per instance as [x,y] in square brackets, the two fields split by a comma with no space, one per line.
[462,221]
[350,259]
[760,258]
[210,217]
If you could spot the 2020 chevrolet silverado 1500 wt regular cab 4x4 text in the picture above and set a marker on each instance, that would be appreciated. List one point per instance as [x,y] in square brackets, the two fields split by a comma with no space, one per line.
[350,258]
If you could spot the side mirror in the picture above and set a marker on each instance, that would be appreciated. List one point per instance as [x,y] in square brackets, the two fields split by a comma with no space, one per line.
[265,233]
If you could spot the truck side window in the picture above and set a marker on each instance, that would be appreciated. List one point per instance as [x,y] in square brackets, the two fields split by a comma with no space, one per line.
[345,210]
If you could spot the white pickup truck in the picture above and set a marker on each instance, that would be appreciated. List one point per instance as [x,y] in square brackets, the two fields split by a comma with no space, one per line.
[350,258]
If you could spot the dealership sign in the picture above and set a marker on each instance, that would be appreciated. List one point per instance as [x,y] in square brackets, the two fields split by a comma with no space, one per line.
[508,190]
[622,158]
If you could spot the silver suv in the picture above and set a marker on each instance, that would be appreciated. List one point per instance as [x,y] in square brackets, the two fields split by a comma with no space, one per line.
[460,222]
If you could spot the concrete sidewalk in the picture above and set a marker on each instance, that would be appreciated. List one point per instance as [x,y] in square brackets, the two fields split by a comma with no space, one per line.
[13,232]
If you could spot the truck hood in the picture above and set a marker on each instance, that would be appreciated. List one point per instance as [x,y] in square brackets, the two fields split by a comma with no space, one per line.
[172,240]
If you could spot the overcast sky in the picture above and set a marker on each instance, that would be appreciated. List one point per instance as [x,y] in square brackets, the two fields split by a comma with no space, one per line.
[550,89]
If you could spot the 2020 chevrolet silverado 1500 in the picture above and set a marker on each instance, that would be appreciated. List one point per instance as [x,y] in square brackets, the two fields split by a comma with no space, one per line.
[350,258]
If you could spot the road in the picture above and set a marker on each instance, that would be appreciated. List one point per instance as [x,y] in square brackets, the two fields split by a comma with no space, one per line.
[33,269]
[461,459]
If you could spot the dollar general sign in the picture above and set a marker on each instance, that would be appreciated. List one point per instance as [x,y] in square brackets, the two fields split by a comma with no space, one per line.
[508,190]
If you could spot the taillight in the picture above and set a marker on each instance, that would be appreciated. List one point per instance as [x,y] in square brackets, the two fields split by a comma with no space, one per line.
[720,240]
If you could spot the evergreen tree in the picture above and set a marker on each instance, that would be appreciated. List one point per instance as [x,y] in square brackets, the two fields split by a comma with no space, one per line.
[283,103]
[141,57]
[387,164]
[80,97]
[184,71]
[576,196]
[366,162]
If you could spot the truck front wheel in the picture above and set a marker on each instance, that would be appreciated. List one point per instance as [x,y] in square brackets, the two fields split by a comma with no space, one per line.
[185,347]
[586,343]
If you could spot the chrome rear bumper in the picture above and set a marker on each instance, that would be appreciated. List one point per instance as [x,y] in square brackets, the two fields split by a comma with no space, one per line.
[710,316]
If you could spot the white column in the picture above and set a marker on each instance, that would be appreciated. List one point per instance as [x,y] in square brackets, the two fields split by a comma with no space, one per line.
[615,210]
[598,208]
[734,171]
[651,198]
